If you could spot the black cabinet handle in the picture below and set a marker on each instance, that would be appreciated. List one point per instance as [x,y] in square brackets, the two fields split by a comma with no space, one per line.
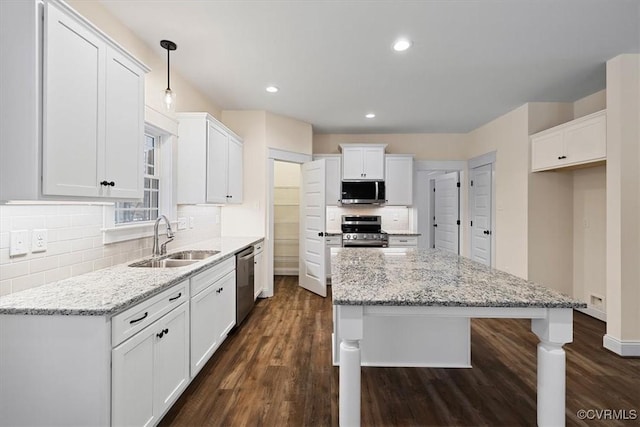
[108,183]
[487,232]
[435,225]
[219,290]
[146,313]
[562,157]
[321,234]
[163,333]
[176,297]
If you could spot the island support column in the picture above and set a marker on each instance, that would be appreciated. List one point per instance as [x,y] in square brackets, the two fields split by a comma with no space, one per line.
[555,330]
[350,328]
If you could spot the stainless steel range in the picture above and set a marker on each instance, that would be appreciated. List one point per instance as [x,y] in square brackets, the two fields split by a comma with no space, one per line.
[363,231]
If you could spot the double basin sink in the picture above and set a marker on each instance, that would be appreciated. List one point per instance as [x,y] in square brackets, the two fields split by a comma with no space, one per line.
[178,259]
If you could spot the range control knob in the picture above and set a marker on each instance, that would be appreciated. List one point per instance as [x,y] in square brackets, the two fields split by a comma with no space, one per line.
[355,236]
[348,236]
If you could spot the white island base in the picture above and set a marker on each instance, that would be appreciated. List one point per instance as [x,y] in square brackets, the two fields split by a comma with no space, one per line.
[361,337]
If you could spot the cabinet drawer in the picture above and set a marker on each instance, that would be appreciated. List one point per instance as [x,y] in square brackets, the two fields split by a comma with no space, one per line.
[207,277]
[129,322]
[334,240]
[403,240]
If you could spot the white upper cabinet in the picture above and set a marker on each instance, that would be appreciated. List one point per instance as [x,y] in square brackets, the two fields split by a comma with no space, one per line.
[363,161]
[578,142]
[399,179]
[92,108]
[333,177]
[210,161]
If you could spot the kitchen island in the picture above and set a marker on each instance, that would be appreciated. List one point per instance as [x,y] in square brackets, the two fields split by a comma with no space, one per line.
[427,287]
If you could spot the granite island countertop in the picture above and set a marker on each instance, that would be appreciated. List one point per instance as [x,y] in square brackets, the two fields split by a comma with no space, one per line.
[431,277]
[112,290]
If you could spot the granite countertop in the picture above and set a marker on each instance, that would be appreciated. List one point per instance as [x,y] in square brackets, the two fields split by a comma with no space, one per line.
[431,277]
[402,233]
[112,290]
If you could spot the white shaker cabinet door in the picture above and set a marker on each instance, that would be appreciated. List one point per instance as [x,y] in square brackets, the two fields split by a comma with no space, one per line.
[333,180]
[234,179]
[124,130]
[73,103]
[226,308]
[171,364]
[373,161]
[352,163]
[204,334]
[133,379]
[399,180]
[547,151]
[258,284]
[586,141]
[216,165]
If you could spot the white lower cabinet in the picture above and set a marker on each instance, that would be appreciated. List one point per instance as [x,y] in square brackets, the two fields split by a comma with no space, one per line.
[399,241]
[213,314]
[150,370]
[332,242]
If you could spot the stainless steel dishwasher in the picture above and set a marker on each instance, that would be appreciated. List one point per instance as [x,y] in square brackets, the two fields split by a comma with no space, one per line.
[245,277]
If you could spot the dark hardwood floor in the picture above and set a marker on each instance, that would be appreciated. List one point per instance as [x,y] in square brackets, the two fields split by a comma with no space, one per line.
[275,370]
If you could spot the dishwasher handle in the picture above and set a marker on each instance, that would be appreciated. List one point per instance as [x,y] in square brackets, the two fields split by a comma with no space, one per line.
[246,254]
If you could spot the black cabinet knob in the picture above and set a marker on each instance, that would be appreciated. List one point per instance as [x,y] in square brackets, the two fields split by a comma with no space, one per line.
[435,225]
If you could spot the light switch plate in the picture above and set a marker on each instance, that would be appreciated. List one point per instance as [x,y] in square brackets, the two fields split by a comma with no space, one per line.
[39,240]
[18,242]
[182,223]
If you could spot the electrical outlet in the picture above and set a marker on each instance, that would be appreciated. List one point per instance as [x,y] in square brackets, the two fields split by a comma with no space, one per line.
[39,240]
[182,223]
[192,222]
[18,243]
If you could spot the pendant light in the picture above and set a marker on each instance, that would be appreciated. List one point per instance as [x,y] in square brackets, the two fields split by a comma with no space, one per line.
[169,95]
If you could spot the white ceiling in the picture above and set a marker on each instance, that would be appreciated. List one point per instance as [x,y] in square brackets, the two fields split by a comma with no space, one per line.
[471,61]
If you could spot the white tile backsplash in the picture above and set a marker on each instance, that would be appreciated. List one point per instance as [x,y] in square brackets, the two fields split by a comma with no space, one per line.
[75,242]
[394,218]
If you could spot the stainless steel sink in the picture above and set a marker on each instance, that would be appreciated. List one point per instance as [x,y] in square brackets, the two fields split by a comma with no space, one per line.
[163,263]
[178,259]
[193,255]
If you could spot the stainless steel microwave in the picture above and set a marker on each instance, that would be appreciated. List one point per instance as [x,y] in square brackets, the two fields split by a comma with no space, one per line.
[363,193]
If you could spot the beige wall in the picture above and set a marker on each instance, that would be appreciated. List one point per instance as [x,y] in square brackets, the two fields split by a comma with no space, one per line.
[188,97]
[248,219]
[288,134]
[425,146]
[623,198]
[590,104]
[550,209]
[508,136]
[589,233]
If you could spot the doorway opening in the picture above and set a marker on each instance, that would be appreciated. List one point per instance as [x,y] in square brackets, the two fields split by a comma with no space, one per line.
[286,218]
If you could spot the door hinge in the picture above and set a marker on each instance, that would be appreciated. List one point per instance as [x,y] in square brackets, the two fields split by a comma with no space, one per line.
[458,184]
[472,183]
[458,222]
[434,190]
[472,223]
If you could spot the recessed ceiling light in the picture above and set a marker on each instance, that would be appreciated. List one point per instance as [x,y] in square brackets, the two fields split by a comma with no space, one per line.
[401,45]
[370,116]
[272,89]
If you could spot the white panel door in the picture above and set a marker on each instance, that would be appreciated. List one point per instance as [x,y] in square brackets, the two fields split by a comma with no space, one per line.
[312,224]
[217,163]
[73,103]
[234,178]
[447,201]
[481,204]
[124,128]
[171,358]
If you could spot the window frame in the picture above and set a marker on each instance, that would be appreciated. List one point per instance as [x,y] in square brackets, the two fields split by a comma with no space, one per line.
[112,232]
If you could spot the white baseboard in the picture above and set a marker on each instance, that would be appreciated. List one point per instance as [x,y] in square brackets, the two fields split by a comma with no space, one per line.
[594,312]
[621,348]
[283,271]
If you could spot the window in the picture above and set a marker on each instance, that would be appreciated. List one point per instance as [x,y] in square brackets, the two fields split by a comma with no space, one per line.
[149,208]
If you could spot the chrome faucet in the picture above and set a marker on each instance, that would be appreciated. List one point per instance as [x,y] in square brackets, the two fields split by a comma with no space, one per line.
[161,249]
